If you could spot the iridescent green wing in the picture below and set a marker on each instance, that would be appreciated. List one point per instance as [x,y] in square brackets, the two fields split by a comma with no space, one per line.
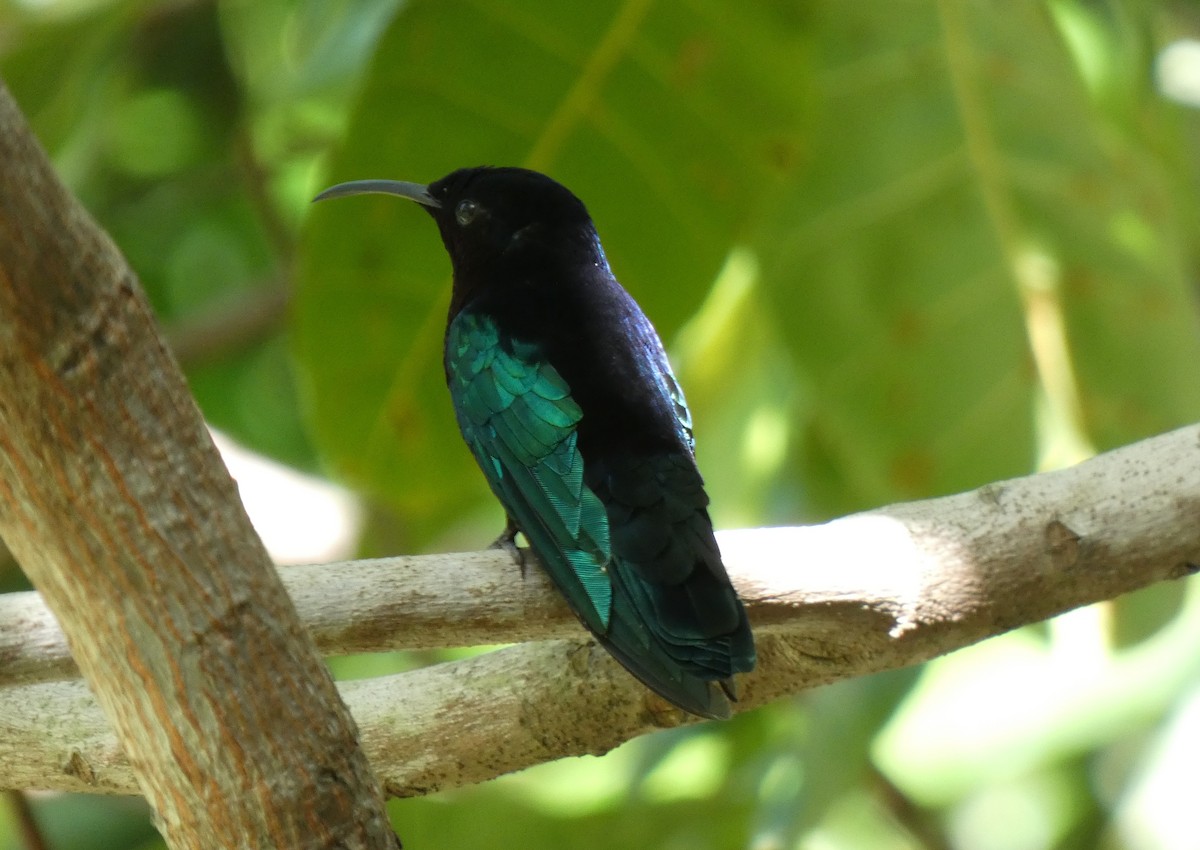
[519,420]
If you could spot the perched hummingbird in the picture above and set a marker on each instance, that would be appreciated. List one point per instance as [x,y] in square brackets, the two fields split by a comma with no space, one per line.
[564,395]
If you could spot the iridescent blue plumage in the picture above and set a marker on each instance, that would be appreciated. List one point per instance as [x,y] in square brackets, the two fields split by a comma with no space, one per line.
[564,395]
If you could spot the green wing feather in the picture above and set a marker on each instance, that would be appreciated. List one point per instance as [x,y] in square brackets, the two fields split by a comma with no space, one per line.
[518,418]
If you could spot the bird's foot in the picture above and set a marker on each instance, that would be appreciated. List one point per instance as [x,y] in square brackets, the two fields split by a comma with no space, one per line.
[508,542]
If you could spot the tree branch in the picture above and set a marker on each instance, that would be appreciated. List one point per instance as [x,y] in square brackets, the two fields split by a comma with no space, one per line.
[878,590]
[118,508]
[229,325]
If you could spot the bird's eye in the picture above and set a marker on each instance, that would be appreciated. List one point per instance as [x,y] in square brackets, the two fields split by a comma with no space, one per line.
[466,211]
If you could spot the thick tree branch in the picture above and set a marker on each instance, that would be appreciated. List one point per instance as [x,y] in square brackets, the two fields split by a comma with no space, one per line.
[874,591]
[117,506]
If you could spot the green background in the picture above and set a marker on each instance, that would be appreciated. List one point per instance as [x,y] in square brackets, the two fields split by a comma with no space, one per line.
[897,249]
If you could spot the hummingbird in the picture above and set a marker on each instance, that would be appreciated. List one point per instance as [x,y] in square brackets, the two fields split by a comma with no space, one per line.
[564,395]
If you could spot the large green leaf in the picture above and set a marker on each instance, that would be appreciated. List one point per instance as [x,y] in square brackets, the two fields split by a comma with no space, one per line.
[669,126]
[959,188]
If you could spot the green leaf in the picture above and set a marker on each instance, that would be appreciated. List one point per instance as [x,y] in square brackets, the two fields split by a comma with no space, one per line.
[958,193]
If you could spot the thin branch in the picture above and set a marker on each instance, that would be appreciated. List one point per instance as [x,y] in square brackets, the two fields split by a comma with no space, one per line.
[420,602]
[257,182]
[874,591]
[230,325]
[920,824]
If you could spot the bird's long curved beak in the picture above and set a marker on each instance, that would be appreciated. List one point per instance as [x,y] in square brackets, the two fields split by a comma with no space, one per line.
[418,192]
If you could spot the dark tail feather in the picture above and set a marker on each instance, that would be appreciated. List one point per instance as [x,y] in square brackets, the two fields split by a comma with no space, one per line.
[693,695]
[641,652]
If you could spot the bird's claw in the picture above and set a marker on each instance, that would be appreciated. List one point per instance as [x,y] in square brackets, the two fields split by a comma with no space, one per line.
[508,542]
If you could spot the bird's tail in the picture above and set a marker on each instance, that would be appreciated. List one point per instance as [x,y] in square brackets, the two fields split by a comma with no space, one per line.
[685,671]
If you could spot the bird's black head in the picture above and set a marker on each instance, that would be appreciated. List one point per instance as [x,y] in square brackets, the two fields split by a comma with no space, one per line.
[500,217]
[498,222]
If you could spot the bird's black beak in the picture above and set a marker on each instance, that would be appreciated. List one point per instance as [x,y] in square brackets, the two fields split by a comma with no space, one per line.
[413,191]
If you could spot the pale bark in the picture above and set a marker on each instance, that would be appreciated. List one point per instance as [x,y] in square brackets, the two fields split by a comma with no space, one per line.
[118,508]
[870,592]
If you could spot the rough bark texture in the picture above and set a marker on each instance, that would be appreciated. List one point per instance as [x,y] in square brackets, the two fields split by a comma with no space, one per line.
[874,591]
[118,508]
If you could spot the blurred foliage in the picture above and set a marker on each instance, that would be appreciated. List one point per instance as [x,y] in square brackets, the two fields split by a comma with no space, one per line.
[900,249]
